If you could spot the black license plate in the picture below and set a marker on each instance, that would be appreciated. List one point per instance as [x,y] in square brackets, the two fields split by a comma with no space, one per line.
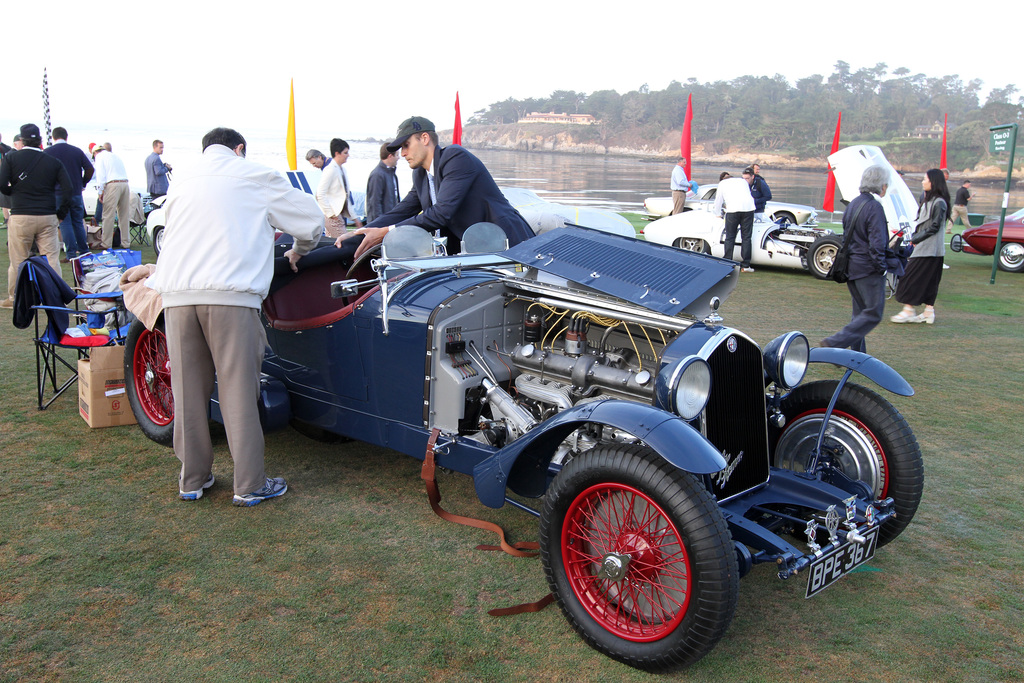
[836,564]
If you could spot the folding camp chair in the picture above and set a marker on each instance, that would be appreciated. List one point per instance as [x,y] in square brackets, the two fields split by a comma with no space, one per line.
[41,298]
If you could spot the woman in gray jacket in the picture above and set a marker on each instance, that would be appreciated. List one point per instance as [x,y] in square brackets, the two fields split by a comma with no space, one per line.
[920,284]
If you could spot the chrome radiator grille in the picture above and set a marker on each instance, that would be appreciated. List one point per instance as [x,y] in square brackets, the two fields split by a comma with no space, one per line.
[735,419]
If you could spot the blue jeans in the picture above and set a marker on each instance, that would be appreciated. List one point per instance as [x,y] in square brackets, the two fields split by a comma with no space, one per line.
[868,295]
[72,228]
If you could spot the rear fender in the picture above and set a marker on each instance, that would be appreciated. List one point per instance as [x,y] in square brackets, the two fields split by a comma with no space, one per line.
[869,366]
[523,464]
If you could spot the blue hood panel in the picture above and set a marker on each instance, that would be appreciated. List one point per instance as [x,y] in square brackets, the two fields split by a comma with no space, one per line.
[659,278]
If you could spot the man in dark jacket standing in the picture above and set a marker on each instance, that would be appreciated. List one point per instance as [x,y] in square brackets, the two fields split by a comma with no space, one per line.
[866,236]
[382,186]
[31,178]
[759,190]
[451,191]
[80,170]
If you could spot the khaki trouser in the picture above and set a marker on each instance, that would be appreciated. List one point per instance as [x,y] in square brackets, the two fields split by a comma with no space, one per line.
[678,201]
[22,231]
[226,343]
[334,226]
[960,211]
[117,199]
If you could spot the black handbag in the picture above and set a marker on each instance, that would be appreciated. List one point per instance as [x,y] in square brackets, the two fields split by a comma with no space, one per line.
[839,271]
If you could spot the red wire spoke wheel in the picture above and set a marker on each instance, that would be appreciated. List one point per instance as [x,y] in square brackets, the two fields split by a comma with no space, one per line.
[625,562]
[639,557]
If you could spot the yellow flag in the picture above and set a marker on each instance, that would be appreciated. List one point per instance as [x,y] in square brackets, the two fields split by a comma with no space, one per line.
[293,163]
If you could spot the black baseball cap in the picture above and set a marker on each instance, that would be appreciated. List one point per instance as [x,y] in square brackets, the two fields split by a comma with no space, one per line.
[413,125]
[29,130]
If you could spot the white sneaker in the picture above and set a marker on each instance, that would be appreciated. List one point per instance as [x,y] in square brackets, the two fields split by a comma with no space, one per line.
[197,494]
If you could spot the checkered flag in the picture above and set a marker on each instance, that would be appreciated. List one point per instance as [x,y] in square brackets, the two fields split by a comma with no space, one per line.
[46,109]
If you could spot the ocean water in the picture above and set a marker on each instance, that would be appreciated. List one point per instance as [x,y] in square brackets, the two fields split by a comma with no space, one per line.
[605,182]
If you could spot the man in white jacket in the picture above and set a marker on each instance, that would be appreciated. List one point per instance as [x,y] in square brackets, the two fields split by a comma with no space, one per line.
[734,197]
[213,273]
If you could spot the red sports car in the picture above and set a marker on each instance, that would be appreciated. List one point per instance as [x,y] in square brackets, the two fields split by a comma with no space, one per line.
[982,240]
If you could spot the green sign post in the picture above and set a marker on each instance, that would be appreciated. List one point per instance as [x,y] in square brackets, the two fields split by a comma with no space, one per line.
[1004,138]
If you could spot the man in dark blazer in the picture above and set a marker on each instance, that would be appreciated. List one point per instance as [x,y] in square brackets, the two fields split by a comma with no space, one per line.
[451,190]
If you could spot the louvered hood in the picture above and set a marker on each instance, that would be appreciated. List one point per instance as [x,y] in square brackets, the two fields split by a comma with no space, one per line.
[659,278]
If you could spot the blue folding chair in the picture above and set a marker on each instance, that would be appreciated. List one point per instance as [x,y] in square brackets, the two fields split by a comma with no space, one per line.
[41,298]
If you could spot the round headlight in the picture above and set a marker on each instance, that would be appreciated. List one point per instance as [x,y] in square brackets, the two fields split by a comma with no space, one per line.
[689,387]
[786,358]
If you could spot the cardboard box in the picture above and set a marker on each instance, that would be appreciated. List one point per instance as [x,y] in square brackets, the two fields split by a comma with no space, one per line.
[102,397]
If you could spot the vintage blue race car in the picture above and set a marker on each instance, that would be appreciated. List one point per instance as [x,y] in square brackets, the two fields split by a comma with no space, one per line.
[668,452]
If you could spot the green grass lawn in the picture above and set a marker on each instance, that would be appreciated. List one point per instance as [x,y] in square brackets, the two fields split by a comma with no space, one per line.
[106,576]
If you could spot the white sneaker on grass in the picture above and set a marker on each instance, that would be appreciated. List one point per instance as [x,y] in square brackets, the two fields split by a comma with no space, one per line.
[196,495]
[272,488]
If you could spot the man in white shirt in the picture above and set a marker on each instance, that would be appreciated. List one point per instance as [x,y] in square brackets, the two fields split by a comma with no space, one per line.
[213,273]
[115,194]
[734,195]
[680,184]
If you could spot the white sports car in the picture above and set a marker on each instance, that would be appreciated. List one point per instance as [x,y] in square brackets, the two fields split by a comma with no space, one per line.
[705,199]
[774,244]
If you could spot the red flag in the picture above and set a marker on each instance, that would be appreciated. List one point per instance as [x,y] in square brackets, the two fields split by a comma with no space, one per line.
[830,187]
[942,157]
[684,142]
[457,133]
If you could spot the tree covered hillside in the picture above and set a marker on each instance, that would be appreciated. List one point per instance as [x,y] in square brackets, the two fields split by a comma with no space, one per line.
[771,115]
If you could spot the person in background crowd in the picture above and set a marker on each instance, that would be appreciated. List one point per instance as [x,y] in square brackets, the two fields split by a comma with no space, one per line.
[920,284]
[115,195]
[332,194]
[759,190]
[157,172]
[680,184]
[317,159]
[5,201]
[963,196]
[213,272]
[734,197]
[97,214]
[382,186]
[31,179]
[867,235]
[80,170]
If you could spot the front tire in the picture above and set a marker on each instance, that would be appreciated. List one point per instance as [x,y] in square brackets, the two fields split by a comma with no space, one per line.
[880,448]
[639,557]
[148,378]
[1011,257]
[822,254]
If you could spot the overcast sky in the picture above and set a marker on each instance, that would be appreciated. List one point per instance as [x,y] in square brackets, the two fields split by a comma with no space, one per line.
[360,68]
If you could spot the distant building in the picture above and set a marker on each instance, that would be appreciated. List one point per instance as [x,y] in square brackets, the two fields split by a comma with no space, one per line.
[552,117]
[932,132]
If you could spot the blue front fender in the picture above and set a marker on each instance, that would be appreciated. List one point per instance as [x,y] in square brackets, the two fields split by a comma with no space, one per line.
[523,464]
[869,366]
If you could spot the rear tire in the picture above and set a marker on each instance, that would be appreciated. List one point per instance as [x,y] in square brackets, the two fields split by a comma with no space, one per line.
[158,239]
[783,216]
[148,381]
[639,557]
[692,244]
